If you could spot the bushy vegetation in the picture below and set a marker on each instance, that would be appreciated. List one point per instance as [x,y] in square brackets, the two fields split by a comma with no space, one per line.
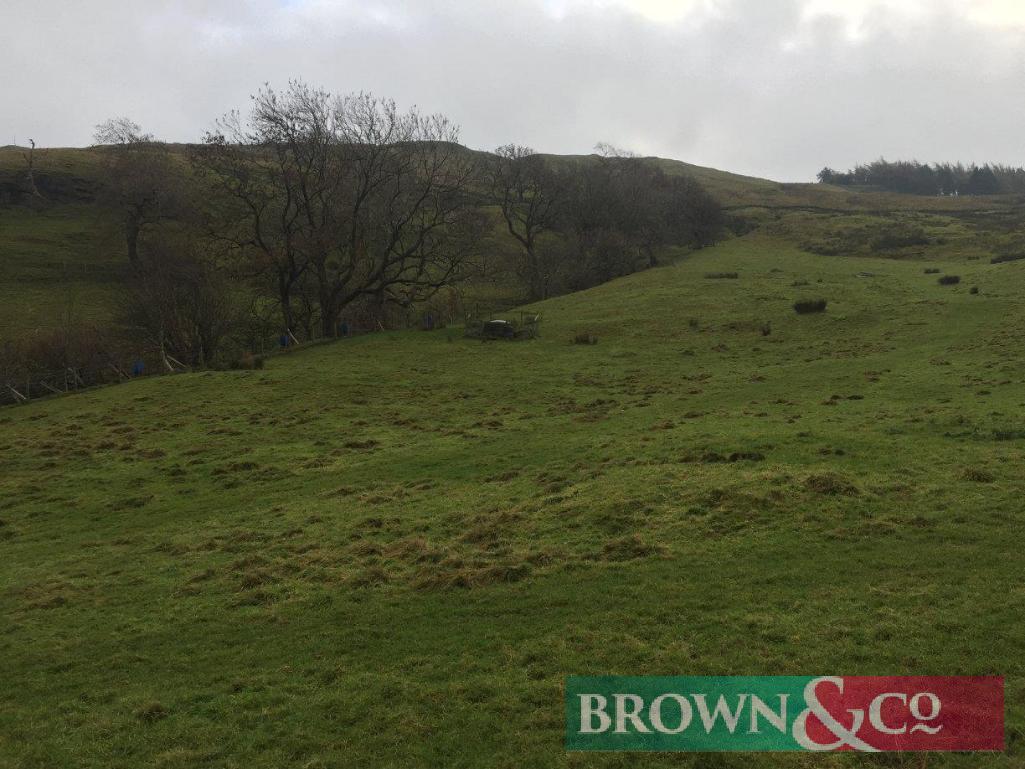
[895,238]
[877,235]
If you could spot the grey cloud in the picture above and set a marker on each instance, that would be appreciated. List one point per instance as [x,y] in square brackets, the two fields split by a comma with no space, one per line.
[745,85]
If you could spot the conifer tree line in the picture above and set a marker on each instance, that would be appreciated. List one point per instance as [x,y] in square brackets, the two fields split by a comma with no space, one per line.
[914,178]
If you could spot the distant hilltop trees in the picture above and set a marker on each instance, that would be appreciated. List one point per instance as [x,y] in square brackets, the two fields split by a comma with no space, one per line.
[914,178]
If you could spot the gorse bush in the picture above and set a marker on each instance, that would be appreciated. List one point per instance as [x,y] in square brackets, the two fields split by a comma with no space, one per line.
[950,280]
[807,306]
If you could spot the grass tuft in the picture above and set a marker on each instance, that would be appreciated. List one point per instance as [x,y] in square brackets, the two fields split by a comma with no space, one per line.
[808,306]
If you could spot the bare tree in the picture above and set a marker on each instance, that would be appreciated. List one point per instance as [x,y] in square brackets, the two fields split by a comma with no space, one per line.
[608,150]
[528,193]
[30,162]
[181,301]
[347,195]
[121,132]
[266,178]
[139,180]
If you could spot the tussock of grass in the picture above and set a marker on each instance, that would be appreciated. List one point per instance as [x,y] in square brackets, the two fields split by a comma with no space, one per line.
[629,548]
[978,475]
[807,306]
[151,711]
[1007,258]
[830,484]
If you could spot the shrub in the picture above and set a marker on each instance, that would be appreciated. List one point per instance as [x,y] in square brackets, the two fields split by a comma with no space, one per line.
[585,339]
[1006,258]
[932,271]
[807,306]
[950,280]
[721,275]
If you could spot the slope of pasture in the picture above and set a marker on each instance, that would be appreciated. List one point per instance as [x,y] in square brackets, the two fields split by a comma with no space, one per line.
[63,260]
[58,265]
[390,550]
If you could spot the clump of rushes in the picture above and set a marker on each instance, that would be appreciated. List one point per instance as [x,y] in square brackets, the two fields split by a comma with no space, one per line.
[807,306]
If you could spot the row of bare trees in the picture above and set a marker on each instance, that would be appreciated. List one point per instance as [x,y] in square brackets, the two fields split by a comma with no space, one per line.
[336,206]
[583,223]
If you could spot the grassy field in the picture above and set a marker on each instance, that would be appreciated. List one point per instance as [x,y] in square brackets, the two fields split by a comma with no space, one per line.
[391,550]
[58,265]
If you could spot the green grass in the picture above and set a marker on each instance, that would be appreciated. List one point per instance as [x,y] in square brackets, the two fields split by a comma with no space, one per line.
[57,262]
[390,550]
[65,252]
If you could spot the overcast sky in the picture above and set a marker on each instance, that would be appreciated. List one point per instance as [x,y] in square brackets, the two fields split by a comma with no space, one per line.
[774,88]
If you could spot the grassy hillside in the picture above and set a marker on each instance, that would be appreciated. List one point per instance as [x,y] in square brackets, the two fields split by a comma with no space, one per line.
[65,252]
[390,550]
[57,261]
[60,258]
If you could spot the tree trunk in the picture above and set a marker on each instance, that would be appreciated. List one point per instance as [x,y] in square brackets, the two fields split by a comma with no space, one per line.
[285,299]
[329,312]
[538,288]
